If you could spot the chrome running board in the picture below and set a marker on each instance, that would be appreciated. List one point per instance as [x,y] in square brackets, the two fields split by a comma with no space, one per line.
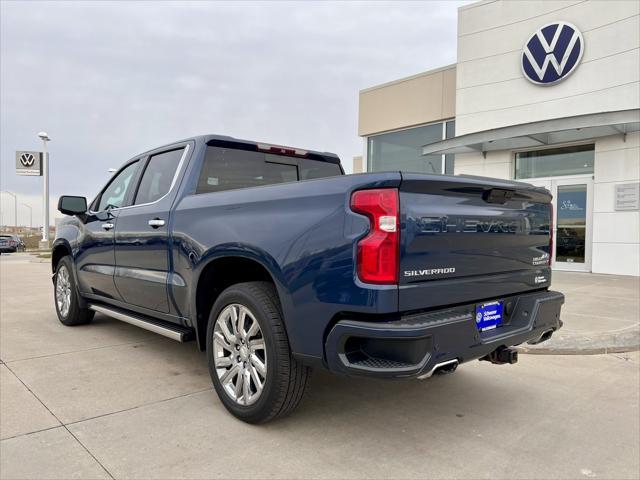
[178,333]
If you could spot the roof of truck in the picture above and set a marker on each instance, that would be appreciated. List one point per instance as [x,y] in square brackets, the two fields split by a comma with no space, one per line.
[225,140]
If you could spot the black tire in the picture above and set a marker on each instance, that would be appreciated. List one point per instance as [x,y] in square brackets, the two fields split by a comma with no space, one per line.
[75,315]
[286,378]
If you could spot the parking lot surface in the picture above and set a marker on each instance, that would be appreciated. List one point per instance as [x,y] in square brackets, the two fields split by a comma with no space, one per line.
[109,400]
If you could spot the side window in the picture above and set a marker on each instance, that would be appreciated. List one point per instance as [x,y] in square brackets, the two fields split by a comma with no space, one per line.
[157,177]
[228,169]
[114,195]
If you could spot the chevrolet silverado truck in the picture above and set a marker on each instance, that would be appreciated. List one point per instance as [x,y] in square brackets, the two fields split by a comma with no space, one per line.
[274,262]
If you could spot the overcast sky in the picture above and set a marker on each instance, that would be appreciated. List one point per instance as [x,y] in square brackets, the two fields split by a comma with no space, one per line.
[109,80]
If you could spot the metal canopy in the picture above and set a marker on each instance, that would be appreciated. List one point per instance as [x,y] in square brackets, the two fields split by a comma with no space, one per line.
[538,134]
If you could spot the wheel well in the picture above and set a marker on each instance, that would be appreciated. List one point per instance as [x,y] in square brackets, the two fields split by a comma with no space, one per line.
[57,254]
[218,275]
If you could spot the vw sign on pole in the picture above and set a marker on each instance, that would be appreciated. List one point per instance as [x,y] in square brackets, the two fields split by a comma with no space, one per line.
[552,53]
[37,164]
[29,163]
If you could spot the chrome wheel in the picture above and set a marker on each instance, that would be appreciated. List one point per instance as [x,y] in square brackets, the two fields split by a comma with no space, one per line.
[63,291]
[239,354]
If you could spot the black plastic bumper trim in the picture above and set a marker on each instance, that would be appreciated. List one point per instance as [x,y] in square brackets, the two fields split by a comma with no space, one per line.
[450,334]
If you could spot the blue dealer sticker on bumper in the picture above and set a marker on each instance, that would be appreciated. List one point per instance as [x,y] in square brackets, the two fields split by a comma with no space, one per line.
[489,315]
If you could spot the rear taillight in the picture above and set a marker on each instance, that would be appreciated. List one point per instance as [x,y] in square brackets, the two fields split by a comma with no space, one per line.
[550,232]
[378,252]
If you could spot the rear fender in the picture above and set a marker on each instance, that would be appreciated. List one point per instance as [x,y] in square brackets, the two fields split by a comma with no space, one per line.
[248,252]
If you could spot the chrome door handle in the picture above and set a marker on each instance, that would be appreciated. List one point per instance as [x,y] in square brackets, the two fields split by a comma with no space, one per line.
[156,222]
[107,226]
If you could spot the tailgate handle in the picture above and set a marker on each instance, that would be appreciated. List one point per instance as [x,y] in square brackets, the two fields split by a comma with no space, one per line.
[497,195]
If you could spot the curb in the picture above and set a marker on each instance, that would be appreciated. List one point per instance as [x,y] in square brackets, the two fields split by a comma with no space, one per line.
[598,344]
[577,351]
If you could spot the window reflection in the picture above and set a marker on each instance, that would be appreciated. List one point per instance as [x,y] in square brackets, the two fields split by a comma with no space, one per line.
[572,223]
[552,162]
[402,150]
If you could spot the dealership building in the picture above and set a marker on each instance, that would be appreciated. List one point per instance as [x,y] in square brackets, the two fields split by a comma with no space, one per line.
[546,92]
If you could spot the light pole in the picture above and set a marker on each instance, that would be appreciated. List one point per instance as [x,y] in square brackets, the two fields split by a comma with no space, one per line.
[45,190]
[15,207]
[30,215]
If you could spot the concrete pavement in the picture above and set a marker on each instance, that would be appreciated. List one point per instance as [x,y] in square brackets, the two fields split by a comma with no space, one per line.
[601,315]
[108,400]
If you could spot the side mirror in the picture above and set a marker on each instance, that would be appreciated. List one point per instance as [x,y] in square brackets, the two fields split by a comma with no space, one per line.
[71,205]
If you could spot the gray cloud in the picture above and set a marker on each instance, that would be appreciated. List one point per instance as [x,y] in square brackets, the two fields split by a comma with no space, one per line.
[108,80]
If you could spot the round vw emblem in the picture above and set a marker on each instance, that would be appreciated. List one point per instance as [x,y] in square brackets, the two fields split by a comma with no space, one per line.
[27,159]
[552,53]
[478,317]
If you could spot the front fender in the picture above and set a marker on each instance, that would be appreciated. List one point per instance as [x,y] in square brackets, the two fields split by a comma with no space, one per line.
[62,243]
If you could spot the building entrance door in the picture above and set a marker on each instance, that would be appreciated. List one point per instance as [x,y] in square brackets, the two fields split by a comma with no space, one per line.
[572,228]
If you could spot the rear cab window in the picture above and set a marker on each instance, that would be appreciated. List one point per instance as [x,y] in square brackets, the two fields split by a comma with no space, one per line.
[231,168]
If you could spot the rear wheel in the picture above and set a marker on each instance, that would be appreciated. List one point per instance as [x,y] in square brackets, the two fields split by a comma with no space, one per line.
[250,362]
[66,296]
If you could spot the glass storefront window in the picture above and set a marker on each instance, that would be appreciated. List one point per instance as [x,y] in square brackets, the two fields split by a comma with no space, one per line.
[402,150]
[449,158]
[451,129]
[571,219]
[552,162]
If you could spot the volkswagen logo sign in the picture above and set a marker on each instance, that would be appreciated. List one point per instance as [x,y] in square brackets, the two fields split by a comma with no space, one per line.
[27,159]
[552,53]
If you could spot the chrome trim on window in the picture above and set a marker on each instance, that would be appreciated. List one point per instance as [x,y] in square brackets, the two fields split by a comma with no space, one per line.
[173,182]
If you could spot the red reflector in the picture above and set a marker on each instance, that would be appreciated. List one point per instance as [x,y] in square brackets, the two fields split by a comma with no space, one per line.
[378,252]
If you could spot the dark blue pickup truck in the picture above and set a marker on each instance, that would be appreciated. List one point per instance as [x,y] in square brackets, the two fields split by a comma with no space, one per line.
[275,262]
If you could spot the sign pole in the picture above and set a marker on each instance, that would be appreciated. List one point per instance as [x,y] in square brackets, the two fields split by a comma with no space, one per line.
[45,194]
[45,191]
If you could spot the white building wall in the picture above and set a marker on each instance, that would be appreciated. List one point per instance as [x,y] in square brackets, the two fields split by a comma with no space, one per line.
[498,164]
[616,234]
[491,91]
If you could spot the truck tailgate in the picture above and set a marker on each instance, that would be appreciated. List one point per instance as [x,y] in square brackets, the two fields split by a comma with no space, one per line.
[470,238]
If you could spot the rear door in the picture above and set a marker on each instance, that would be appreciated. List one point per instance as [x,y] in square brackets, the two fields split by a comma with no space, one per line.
[142,238]
[470,238]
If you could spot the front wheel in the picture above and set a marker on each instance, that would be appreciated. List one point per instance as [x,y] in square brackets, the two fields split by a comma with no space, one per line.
[250,362]
[66,296]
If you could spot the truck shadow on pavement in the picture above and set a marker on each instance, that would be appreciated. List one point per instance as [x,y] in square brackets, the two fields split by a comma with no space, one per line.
[476,388]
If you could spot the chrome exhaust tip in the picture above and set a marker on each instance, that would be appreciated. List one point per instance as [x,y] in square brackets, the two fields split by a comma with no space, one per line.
[546,335]
[445,367]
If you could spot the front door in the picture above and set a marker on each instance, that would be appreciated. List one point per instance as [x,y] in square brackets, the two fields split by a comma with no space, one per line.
[95,260]
[142,234]
[572,204]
